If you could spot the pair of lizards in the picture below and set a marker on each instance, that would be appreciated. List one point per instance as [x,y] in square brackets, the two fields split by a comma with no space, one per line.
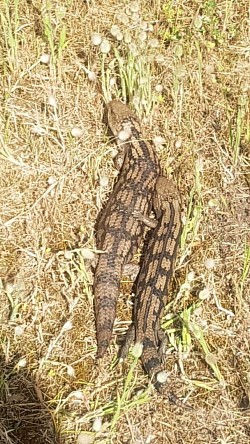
[140,188]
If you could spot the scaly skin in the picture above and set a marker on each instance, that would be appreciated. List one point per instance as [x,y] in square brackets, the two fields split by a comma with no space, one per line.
[119,232]
[154,278]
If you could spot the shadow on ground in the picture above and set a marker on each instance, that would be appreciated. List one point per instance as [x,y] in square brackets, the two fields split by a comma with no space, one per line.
[24,416]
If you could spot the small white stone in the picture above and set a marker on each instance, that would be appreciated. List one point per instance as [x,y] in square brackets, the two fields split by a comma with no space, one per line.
[178,51]
[134,7]
[9,287]
[67,326]
[178,143]
[114,152]
[52,100]
[77,394]
[204,294]
[51,180]
[97,424]
[22,363]
[190,276]
[105,47]
[159,140]
[187,286]
[123,18]
[96,39]
[169,316]
[212,203]
[70,371]
[198,311]
[92,76]
[142,36]
[119,36]
[45,59]
[19,330]
[77,132]
[68,255]
[137,349]
[135,16]
[209,263]
[210,69]
[150,27]
[144,26]
[104,181]
[115,30]
[162,377]
[198,22]
[123,135]
[200,164]
[39,130]
[127,37]
[159,88]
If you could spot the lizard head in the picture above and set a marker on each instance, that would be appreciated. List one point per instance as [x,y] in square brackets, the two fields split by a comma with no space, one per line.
[166,191]
[119,115]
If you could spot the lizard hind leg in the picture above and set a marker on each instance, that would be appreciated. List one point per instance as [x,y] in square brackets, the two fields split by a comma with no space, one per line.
[129,339]
[162,342]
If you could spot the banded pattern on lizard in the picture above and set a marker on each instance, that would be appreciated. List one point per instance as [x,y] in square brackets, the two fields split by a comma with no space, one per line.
[154,278]
[119,232]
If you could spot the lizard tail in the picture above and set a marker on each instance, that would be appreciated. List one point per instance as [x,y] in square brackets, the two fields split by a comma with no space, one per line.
[106,291]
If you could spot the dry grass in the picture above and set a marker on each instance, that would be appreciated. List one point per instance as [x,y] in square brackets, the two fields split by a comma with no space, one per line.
[53,186]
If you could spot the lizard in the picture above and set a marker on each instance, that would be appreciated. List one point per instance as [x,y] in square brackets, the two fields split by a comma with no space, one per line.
[118,232]
[153,281]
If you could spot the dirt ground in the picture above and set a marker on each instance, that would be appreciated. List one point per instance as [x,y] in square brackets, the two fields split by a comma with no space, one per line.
[184,66]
